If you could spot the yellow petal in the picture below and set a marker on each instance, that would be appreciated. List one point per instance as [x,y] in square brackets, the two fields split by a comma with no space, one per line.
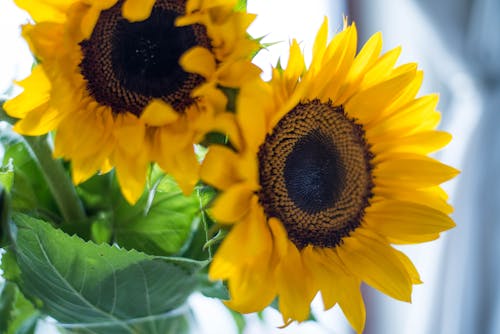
[226,123]
[381,69]
[220,167]
[39,121]
[294,286]
[159,113]
[94,128]
[424,142]
[131,173]
[248,243]
[410,91]
[280,238]
[375,262]
[252,98]
[245,260]
[402,220]
[323,274]
[84,167]
[366,58]
[130,133]
[320,43]
[408,119]
[336,285]
[370,104]
[296,64]
[45,10]
[44,39]
[36,94]
[236,73]
[338,64]
[185,169]
[173,138]
[198,60]
[89,21]
[418,171]
[422,196]
[137,10]
[233,204]
[410,267]
[253,289]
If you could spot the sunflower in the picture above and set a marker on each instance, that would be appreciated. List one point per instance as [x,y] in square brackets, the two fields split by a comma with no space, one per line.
[128,82]
[330,170]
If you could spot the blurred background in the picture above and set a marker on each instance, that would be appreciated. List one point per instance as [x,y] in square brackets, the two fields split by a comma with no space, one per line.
[457,44]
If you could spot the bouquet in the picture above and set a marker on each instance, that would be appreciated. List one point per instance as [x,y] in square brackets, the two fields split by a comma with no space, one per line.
[147,159]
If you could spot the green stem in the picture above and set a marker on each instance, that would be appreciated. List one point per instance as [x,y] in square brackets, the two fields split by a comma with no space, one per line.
[57,179]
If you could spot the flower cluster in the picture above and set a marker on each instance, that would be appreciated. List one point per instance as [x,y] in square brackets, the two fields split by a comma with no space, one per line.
[324,167]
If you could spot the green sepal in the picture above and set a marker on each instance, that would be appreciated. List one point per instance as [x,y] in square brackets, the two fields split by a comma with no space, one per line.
[241,6]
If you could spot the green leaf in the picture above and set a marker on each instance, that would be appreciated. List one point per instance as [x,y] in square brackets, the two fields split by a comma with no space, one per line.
[17,314]
[159,224]
[100,288]
[213,289]
[8,137]
[4,216]
[101,231]
[98,192]
[7,299]
[3,115]
[29,191]
[9,265]
[7,175]
[200,245]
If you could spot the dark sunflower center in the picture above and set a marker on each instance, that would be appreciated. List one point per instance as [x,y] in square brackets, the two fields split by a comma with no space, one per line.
[315,174]
[127,64]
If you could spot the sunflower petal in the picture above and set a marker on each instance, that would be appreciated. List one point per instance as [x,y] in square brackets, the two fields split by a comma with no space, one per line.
[369,104]
[253,97]
[366,58]
[427,197]
[296,64]
[336,285]
[130,133]
[253,289]
[137,10]
[220,167]
[251,283]
[403,220]
[248,243]
[424,142]
[340,64]
[236,73]
[158,113]
[410,267]
[199,60]
[131,172]
[45,10]
[375,262]
[320,43]
[38,122]
[409,117]
[417,172]
[293,281]
[36,94]
[233,204]
[381,69]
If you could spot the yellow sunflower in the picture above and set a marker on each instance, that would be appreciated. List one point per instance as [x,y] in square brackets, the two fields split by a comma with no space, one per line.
[127,82]
[330,170]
